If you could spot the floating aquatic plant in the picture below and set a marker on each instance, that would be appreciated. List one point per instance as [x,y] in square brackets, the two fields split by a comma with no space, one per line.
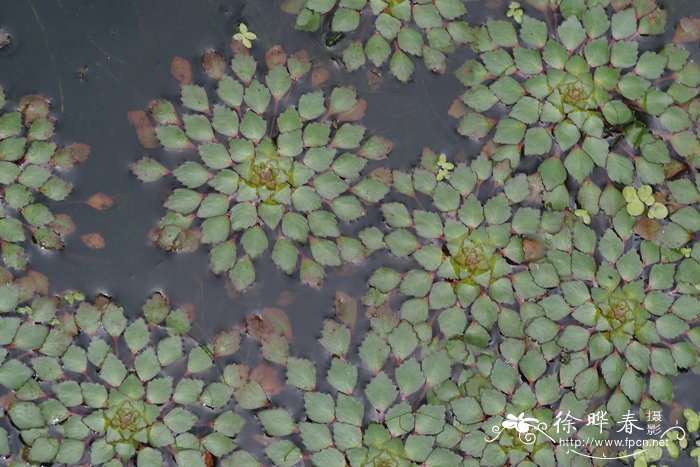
[244,36]
[401,29]
[29,162]
[91,385]
[582,93]
[409,391]
[622,310]
[274,168]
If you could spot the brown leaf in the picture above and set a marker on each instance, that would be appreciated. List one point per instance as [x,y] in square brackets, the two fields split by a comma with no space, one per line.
[275,56]
[258,327]
[79,152]
[6,277]
[647,228]
[382,174]
[355,113]
[374,79]
[286,298]
[214,64]
[457,109]
[63,224]
[688,30]
[673,168]
[93,240]
[144,129]
[532,250]
[34,107]
[346,309]
[4,39]
[181,70]
[279,321]
[319,76]
[268,378]
[100,201]
[293,7]
[238,48]
[208,459]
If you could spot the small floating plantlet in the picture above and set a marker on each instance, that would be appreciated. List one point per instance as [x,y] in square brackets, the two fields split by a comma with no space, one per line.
[402,29]
[244,36]
[641,199]
[275,170]
[29,166]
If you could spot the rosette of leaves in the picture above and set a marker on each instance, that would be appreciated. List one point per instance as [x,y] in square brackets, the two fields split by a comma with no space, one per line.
[269,167]
[467,231]
[90,385]
[401,29]
[582,93]
[616,312]
[29,162]
[412,390]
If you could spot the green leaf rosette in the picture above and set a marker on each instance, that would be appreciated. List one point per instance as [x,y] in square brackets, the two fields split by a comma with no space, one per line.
[90,385]
[268,167]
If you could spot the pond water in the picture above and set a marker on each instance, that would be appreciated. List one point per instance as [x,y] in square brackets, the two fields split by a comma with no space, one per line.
[99,60]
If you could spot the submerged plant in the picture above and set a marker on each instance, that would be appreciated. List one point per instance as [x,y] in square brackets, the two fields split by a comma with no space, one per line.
[401,29]
[29,162]
[271,162]
[90,385]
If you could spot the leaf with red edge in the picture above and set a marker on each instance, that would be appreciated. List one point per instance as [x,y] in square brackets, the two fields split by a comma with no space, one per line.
[181,70]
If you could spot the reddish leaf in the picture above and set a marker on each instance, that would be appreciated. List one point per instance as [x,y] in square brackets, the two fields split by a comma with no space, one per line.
[457,109]
[688,30]
[286,298]
[319,76]
[181,70]
[4,39]
[382,174]
[238,48]
[93,240]
[63,224]
[355,113]
[268,378]
[34,107]
[275,56]
[279,321]
[647,228]
[532,250]
[100,201]
[227,342]
[144,129]
[214,64]
[346,309]
[79,152]
[258,327]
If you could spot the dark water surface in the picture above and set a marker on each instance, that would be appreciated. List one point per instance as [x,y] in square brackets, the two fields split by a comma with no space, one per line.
[124,48]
